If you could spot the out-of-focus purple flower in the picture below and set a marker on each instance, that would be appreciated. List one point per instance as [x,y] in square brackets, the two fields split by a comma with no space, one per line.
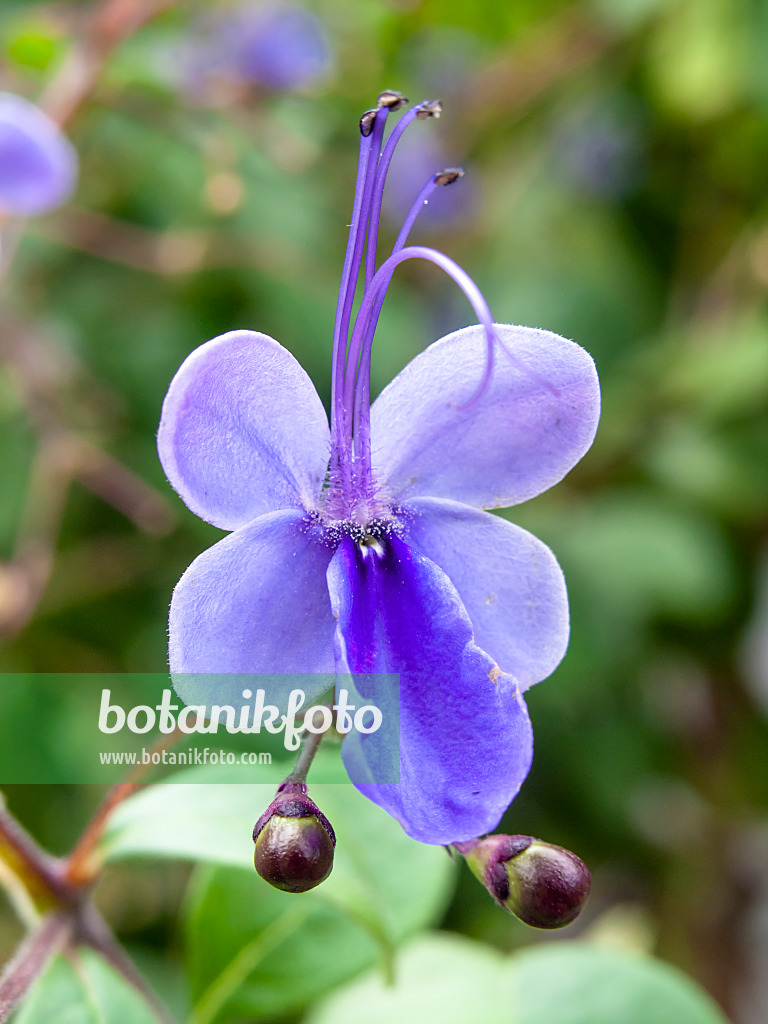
[38,164]
[278,46]
[445,58]
[599,148]
[281,46]
[365,548]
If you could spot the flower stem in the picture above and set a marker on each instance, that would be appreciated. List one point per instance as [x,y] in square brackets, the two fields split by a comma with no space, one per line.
[38,869]
[31,959]
[308,751]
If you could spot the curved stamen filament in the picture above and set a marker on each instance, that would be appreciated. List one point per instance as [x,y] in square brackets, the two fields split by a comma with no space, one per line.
[362,336]
[359,340]
[364,330]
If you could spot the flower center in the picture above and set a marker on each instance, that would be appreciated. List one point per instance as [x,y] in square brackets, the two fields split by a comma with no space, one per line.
[369,536]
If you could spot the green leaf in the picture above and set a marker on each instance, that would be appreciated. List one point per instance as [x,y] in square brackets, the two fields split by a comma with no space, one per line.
[83,989]
[451,979]
[256,952]
[193,821]
[439,977]
[643,557]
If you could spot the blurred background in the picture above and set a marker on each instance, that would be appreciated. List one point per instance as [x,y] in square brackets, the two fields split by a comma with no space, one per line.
[616,155]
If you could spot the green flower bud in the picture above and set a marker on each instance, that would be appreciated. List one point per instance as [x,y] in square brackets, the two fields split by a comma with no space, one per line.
[294,841]
[542,884]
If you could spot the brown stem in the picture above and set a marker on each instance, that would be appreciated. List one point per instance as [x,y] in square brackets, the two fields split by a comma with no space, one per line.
[32,957]
[81,867]
[119,487]
[113,22]
[30,862]
[28,573]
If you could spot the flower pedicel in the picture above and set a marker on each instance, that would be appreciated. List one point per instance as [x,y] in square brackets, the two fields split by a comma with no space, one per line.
[364,547]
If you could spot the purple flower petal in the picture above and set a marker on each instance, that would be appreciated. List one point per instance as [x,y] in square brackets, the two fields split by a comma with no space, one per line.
[256,602]
[38,164]
[465,736]
[243,431]
[282,46]
[515,441]
[508,580]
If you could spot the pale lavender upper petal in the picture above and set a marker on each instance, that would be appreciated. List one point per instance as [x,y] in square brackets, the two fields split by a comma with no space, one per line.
[465,736]
[256,602]
[508,580]
[519,438]
[243,431]
[38,164]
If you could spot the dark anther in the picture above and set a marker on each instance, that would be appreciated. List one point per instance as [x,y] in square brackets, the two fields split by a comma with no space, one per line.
[449,175]
[429,108]
[392,99]
[366,123]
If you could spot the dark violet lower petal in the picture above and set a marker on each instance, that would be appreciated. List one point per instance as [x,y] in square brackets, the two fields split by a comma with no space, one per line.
[243,431]
[508,580]
[38,164]
[516,440]
[465,736]
[256,602]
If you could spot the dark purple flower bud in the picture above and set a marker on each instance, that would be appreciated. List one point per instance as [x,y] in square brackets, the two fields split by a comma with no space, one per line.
[284,47]
[38,164]
[294,841]
[544,885]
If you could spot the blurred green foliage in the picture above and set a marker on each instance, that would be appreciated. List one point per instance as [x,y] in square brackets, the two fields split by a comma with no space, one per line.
[616,154]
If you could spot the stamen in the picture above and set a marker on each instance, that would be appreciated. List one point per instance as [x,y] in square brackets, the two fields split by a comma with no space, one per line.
[339,350]
[423,110]
[443,178]
[427,109]
[390,101]
[371,129]
[350,414]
